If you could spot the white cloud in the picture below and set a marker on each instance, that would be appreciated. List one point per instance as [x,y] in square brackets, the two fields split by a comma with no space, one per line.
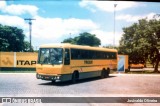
[50,28]
[134,18]
[57,27]
[12,21]
[107,38]
[18,9]
[107,6]
[2,4]
[54,29]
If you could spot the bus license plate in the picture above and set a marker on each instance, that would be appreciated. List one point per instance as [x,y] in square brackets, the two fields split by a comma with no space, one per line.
[46,77]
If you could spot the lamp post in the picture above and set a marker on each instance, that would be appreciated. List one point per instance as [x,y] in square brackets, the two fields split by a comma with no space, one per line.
[30,31]
[114,24]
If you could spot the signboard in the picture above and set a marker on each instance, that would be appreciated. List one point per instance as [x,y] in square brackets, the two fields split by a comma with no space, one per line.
[26,59]
[18,59]
[7,59]
[121,63]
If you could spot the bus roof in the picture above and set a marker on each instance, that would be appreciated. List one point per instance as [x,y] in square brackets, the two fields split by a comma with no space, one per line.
[68,45]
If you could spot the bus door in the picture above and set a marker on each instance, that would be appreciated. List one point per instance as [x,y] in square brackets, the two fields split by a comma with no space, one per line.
[67,60]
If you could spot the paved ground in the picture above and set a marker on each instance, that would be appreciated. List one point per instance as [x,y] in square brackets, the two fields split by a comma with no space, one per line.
[16,84]
[117,85]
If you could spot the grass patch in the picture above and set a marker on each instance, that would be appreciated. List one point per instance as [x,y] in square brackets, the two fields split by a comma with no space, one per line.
[136,72]
[142,72]
[17,71]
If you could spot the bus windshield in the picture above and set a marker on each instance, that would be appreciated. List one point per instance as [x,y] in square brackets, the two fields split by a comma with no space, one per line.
[50,56]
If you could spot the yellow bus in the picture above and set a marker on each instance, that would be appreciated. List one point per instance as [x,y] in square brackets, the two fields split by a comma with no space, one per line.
[64,62]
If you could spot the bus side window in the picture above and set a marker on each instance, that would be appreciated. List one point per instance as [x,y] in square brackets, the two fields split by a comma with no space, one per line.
[67,57]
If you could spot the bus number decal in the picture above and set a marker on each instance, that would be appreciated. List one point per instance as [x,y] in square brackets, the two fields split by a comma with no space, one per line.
[88,62]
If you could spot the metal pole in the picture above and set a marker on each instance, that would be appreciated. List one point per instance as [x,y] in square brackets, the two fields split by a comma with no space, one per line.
[30,31]
[70,35]
[30,35]
[114,24]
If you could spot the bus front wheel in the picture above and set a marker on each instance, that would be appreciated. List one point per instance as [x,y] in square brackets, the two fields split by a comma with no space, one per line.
[75,76]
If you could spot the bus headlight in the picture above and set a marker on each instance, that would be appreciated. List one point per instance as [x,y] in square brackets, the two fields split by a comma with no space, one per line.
[58,77]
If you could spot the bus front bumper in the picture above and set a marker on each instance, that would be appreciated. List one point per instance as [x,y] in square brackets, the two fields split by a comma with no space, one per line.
[56,78]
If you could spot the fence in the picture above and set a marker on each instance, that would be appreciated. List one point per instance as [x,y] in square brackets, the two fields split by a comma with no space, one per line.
[18,60]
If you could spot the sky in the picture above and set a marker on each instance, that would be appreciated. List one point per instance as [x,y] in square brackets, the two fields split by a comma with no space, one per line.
[57,20]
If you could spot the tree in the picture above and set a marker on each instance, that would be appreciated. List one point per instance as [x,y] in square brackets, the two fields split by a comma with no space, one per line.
[88,39]
[69,40]
[27,47]
[84,39]
[141,41]
[11,39]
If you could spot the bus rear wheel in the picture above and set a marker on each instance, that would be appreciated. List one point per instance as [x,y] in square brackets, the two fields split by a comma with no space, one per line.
[102,73]
[105,73]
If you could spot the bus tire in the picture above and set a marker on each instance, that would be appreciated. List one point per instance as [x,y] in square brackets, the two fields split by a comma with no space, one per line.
[53,81]
[75,77]
[102,74]
[107,73]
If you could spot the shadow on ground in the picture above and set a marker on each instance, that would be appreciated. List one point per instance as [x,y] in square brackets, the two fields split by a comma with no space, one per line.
[66,83]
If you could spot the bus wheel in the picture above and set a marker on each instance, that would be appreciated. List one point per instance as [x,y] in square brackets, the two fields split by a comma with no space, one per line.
[102,73]
[53,81]
[74,77]
[107,73]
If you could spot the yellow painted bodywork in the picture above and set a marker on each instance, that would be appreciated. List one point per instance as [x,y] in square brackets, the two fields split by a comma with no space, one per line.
[79,65]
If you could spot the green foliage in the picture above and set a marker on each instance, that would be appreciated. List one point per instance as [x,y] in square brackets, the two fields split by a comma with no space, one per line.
[27,47]
[69,40]
[84,39]
[11,39]
[141,41]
